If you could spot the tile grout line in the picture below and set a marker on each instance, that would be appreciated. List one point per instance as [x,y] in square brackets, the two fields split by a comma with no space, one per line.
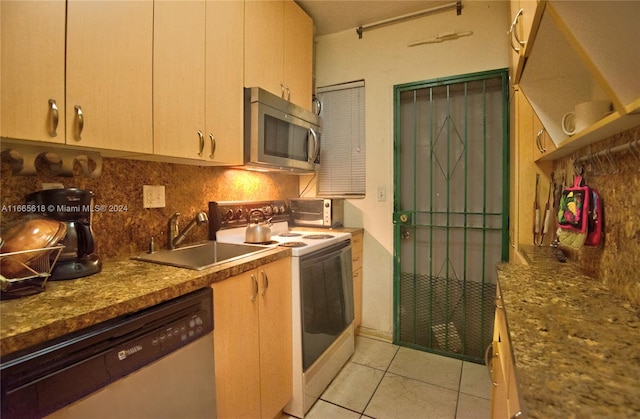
[378,386]
[455,413]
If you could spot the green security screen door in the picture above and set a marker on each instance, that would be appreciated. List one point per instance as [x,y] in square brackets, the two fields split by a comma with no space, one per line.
[450,211]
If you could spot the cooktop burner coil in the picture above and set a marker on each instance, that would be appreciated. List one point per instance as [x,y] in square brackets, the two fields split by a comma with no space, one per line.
[317,236]
[290,234]
[293,244]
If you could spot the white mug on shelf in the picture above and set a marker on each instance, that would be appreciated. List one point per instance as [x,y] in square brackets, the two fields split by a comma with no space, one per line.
[585,115]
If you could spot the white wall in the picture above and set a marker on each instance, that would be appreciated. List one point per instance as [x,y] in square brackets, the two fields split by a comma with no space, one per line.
[383,60]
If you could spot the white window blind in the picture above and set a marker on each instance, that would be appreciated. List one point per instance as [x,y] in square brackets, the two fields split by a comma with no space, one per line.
[342,153]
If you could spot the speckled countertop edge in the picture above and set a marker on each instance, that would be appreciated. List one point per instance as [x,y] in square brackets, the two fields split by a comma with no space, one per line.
[575,344]
[123,287]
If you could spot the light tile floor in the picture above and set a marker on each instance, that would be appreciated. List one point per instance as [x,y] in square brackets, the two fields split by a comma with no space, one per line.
[382,380]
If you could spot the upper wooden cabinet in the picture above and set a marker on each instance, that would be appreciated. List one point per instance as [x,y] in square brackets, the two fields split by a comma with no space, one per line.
[523,15]
[197,92]
[106,48]
[224,84]
[32,99]
[580,52]
[179,78]
[278,49]
[298,54]
[109,75]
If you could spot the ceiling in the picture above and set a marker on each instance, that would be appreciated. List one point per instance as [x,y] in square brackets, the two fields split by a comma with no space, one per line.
[330,16]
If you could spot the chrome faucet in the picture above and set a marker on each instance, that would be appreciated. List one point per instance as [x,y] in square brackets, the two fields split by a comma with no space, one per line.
[175,236]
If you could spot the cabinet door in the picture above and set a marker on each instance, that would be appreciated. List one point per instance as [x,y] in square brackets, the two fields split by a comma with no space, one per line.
[32,48]
[523,15]
[298,54]
[499,399]
[264,38]
[236,343]
[542,143]
[276,359]
[109,74]
[224,82]
[179,79]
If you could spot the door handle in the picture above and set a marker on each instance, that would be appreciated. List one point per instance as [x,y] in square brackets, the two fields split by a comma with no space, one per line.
[255,287]
[265,282]
[316,149]
[53,110]
[79,123]
[201,138]
[213,145]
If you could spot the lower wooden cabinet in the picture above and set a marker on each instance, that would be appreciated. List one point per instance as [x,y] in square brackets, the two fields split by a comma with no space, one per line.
[504,396]
[253,347]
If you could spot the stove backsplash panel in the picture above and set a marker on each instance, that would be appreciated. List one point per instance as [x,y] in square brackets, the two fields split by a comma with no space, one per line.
[127,229]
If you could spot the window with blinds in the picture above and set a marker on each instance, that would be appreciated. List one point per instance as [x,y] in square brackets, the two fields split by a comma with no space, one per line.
[342,153]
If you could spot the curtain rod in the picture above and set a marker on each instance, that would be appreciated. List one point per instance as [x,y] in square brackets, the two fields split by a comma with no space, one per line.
[455,5]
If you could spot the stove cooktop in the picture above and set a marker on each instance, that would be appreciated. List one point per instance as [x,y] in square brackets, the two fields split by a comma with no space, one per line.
[228,221]
[300,242]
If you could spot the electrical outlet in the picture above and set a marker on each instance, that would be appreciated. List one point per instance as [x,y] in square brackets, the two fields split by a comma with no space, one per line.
[153,196]
[382,194]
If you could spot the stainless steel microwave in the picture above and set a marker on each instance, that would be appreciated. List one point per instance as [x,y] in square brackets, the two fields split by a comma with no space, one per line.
[278,134]
[316,212]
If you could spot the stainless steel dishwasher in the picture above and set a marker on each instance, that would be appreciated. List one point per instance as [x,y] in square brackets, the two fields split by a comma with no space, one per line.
[155,363]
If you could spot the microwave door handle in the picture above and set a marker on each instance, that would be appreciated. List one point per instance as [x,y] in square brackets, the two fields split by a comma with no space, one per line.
[316,148]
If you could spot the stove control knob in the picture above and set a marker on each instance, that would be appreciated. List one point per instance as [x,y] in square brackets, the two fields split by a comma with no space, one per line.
[283,209]
[239,213]
[229,214]
[267,210]
[276,210]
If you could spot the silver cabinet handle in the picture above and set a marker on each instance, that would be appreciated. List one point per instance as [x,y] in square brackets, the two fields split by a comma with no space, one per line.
[265,282]
[541,148]
[255,287]
[53,112]
[213,145]
[288,92]
[318,109]
[488,360]
[79,123]
[513,32]
[282,90]
[498,299]
[201,148]
[316,146]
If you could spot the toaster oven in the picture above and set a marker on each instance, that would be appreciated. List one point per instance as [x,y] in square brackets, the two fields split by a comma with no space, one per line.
[317,212]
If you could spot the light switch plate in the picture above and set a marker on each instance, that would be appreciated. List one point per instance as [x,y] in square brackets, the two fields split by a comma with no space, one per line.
[153,196]
[382,194]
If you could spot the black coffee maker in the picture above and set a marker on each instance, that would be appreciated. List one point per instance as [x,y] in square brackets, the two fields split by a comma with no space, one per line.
[73,206]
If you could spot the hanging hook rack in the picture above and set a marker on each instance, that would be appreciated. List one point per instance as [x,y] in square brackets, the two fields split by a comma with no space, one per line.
[599,158]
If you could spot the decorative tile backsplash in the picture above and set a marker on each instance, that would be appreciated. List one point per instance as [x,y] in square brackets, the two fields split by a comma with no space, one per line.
[617,179]
[128,229]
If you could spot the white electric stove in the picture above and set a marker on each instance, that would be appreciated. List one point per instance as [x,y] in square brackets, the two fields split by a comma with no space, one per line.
[322,293]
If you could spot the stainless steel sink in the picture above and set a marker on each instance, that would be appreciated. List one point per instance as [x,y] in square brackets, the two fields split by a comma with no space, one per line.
[202,255]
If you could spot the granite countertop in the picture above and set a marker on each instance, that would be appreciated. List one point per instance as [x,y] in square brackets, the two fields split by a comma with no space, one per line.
[576,345]
[123,287]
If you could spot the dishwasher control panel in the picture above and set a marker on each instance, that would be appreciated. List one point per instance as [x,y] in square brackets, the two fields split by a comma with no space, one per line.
[60,372]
